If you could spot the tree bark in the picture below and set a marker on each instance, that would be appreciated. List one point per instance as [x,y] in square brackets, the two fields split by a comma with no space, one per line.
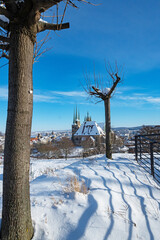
[16,214]
[108,128]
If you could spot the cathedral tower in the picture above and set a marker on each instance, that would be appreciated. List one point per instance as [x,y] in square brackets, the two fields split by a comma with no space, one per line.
[87,118]
[76,122]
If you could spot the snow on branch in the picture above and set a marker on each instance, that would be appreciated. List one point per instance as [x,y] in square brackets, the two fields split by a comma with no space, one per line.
[97,93]
[11,6]
[96,89]
[3,11]
[4,18]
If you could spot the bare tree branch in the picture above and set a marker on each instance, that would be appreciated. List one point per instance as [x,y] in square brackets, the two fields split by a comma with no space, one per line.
[114,85]
[72,4]
[4,39]
[43,5]
[99,101]
[38,48]
[3,11]
[98,92]
[4,55]
[4,47]
[42,26]
[64,13]
[97,89]
[3,65]
[3,25]
[11,6]
[88,2]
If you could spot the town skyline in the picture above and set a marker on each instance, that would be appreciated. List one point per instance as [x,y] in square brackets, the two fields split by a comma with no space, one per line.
[125,32]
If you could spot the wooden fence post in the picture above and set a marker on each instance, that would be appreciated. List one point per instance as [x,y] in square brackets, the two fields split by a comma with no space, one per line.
[152,159]
[136,148]
[140,148]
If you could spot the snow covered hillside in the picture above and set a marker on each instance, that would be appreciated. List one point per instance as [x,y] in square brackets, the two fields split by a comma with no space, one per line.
[93,198]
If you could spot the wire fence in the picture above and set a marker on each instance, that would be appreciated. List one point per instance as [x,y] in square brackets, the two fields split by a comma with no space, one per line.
[147,153]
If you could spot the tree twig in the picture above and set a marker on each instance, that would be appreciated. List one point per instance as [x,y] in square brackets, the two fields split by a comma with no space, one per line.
[4,47]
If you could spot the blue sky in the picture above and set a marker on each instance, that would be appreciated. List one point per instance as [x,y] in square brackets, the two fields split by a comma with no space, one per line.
[126,31]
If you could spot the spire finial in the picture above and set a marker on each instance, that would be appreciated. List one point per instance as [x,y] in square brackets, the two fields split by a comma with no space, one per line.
[76,113]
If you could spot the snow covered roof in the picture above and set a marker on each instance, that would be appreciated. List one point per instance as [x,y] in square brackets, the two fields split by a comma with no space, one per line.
[89,128]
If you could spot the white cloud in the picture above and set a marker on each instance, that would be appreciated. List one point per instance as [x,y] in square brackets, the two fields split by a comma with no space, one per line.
[71,93]
[43,98]
[58,97]
[155,100]
[50,96]
[141,98]
[37,97]
[3,93]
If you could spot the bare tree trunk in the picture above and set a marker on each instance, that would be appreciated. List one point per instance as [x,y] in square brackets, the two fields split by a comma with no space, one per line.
[66,154]
[16,215]
[108,128]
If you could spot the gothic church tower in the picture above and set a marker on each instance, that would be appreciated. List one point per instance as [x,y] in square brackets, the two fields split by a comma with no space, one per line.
[76,122]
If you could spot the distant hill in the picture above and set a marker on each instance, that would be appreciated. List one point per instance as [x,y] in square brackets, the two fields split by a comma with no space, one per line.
[43,133]
[122,128]
[128,128]
[116,129]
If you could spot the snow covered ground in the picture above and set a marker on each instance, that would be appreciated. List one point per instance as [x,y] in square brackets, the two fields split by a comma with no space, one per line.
[118,199]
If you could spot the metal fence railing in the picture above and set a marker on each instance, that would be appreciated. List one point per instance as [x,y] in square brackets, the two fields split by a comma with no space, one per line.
[147,153]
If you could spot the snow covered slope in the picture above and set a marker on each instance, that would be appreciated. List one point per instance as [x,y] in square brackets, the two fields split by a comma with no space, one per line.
[120,201]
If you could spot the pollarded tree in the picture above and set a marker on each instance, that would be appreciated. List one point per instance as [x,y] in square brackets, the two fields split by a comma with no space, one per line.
[65,145]
[104,91]
[20,22]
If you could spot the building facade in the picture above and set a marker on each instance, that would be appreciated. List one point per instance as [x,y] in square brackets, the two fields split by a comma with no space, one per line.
[88,131]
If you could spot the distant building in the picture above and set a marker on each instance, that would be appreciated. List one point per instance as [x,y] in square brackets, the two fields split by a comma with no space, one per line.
[87,130]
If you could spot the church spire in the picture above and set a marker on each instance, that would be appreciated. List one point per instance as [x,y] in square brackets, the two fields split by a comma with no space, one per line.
[76,113]
[74,118]
[87,118]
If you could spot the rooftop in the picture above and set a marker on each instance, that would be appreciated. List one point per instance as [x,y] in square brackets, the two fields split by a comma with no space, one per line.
[90,128]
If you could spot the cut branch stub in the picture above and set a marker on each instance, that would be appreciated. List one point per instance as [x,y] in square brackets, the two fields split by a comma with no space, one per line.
[42,26]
